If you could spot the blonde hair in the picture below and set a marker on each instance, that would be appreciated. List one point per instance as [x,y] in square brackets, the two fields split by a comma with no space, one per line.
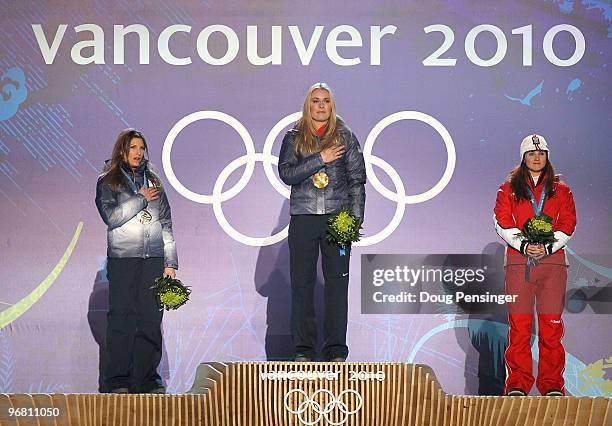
[307,139]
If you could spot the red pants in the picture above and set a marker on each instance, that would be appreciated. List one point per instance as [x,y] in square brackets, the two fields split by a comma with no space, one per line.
[546,287]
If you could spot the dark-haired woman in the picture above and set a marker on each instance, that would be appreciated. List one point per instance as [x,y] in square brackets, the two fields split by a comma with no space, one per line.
[132,203]
[320,158]
[531,190]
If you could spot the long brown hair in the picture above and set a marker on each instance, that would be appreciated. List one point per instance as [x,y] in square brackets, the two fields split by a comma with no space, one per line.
[121,149]
[519,176]
[307,143]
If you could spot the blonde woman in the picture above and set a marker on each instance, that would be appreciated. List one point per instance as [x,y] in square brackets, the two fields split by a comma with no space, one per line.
[321,159]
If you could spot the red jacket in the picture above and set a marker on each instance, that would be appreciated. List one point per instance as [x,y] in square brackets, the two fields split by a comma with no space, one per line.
[510,215]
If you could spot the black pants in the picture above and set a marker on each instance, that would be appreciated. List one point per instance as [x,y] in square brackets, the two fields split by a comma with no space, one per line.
[306,237]
[133,335]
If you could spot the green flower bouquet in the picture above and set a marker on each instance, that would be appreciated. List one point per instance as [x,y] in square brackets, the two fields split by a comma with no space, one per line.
[171,293]
[344,227]
[538,230]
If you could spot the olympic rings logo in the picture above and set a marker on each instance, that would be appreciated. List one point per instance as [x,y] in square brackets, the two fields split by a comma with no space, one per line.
[248,160]
[311,405]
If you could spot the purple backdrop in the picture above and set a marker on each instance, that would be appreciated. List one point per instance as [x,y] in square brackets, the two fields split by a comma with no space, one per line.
[58,122]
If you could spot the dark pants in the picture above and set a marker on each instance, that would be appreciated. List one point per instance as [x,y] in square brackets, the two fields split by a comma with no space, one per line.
[133,335]
[306,237]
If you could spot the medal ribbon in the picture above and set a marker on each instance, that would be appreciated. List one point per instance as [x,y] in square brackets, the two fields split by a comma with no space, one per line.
[537,210]
[133,184]
[145,216]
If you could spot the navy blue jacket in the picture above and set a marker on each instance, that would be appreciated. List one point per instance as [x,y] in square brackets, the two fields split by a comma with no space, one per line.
[347,177]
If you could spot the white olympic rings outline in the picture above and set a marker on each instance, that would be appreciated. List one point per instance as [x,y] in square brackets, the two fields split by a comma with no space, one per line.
[310,402]
[266,157]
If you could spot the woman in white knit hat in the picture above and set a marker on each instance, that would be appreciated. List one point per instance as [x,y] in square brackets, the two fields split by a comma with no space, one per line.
[532,189]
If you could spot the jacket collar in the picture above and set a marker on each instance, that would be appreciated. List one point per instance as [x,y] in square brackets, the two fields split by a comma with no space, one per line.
[139,171]
[541,180]
[339,124]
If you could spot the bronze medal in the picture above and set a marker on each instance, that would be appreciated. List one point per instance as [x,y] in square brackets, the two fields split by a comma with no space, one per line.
[320,180]
[145,217]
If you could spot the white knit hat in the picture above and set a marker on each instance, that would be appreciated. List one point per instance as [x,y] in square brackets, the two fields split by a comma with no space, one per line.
[534,142]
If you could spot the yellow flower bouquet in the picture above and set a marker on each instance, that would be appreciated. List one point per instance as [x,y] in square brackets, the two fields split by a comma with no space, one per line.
[171,293]
[538,230]
[344,227]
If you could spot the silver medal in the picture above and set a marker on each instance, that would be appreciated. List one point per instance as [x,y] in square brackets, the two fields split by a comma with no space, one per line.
[145,217]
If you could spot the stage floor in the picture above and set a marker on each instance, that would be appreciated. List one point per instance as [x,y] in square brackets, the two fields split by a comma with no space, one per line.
[283,393]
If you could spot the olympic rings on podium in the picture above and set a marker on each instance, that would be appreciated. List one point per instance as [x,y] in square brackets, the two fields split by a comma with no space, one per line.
[313,405]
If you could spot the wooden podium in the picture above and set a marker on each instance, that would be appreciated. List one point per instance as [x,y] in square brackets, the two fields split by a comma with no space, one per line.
[307,394]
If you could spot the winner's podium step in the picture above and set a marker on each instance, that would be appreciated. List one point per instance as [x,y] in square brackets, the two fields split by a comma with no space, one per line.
[322,394]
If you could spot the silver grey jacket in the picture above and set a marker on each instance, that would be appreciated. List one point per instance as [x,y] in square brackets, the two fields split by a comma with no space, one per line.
[347,177]
[126,235]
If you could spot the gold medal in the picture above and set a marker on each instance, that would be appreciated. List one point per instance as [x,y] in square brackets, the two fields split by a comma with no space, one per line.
[145,217]
[320,180]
